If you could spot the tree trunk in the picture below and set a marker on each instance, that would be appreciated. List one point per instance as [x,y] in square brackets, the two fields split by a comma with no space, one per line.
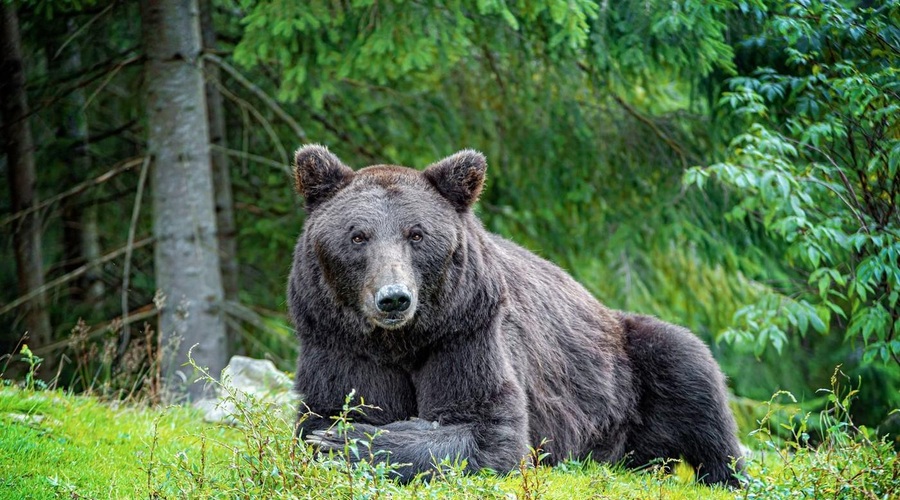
[81,235]
[184,219]
[221,172]
[20,166]
[95,288]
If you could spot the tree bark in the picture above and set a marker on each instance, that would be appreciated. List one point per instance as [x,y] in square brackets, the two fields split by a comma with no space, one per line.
[22,178]
[221,172]
[81,235]
[184,219]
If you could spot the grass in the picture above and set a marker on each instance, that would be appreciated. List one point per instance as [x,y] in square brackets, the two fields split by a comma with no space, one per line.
[59,445]
[53,444]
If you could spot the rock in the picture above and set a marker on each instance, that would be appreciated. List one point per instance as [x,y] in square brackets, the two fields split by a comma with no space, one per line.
[29,419]
[254,384]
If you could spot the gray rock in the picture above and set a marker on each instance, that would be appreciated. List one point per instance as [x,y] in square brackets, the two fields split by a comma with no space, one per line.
[29,419]
[251,383]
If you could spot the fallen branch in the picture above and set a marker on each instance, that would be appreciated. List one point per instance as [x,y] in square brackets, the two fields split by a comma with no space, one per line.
[258,92]
[82,29]
[116,170]
[252,157]
[70,276]
[247,107]
[60,95]
[129,247]
[100,136]
[139,314]
[656,130]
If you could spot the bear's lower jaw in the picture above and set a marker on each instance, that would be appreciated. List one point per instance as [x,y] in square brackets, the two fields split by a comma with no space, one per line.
[390,323]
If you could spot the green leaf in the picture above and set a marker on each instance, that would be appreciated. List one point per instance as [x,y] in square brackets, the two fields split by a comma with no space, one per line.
[816,321]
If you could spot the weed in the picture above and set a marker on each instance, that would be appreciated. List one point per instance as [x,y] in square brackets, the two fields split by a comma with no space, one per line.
[63,488]
[34,363]
[533,474]
[149,467]
[851,462]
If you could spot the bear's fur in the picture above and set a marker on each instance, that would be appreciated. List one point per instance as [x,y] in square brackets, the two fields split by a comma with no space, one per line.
[473,348]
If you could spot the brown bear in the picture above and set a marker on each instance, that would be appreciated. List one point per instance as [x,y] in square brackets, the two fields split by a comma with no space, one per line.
[472,348]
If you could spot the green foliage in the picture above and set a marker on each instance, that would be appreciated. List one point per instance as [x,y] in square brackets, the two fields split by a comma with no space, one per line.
[321,45]
[48,9]
[819,167]
[850,462]
[683,37]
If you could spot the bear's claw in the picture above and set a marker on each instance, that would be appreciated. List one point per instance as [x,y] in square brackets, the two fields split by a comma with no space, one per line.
[325,440]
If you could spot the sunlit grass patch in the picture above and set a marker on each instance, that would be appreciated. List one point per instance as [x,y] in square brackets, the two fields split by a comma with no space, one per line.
[58,445]
[54,444]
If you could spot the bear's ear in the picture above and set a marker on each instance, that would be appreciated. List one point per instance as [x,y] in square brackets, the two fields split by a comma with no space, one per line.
[459,178]
[319,174]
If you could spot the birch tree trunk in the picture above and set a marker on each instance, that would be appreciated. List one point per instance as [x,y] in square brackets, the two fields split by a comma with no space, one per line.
[221,172]
[16,134]
[184,219]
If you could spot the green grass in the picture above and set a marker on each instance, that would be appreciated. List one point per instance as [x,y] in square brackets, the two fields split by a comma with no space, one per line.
[56,445]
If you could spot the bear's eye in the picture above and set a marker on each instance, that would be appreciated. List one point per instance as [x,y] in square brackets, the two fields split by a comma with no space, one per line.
[415,235]
[358,239]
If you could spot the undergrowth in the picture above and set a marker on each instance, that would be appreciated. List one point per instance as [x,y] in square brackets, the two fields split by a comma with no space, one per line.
[55,444]
[850,461]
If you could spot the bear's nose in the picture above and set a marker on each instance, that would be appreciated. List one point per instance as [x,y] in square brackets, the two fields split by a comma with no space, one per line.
[393,298]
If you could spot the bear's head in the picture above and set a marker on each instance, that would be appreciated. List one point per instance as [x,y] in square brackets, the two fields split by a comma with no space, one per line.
[385,237]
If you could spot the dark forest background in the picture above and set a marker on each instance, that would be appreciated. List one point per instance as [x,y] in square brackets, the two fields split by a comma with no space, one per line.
[732,166]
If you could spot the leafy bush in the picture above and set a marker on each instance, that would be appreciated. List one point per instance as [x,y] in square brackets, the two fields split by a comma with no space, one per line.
[819,167]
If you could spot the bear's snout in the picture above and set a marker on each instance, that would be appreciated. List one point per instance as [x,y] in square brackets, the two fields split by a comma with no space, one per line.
[391,306]
[393,298]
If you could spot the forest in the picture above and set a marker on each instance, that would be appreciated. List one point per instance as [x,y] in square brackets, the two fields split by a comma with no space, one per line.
[732,166]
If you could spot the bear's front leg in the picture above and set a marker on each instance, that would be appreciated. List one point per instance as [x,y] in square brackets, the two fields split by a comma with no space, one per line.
[418,446]
[479,409]
[334,440]
[414,446]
